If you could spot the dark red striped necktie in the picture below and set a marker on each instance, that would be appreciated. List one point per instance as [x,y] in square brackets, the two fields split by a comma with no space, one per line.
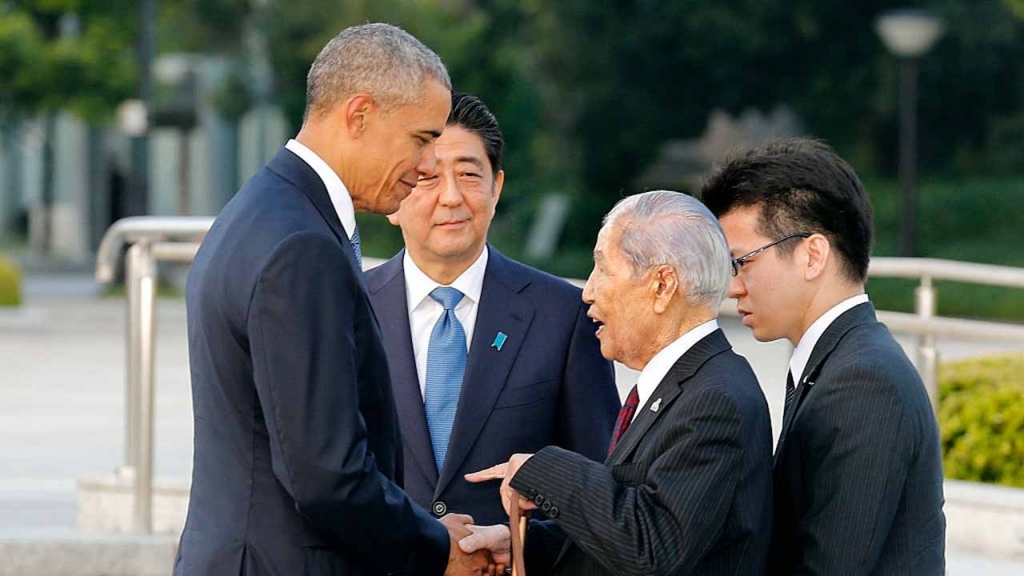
[625,417]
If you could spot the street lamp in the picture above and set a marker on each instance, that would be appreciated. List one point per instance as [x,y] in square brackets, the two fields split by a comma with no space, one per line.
[908,34]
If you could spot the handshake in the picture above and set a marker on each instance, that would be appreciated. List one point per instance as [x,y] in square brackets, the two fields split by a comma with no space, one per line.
[481,550]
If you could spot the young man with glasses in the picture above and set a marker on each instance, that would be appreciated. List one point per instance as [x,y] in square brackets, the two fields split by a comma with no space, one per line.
[858,470]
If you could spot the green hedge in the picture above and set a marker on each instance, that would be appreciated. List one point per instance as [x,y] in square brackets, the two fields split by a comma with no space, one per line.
[981,417]
[10,282]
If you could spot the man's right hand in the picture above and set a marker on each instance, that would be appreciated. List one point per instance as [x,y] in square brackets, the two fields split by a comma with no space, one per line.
[461,563]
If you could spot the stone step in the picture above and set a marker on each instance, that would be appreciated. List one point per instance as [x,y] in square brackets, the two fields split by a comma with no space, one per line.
[65,552]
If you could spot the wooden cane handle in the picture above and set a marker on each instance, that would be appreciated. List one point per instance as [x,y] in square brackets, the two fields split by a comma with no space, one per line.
[517,526]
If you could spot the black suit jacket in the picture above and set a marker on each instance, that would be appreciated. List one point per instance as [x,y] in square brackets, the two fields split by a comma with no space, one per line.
[858,479]
[548,384]
[687,489]
[296,439]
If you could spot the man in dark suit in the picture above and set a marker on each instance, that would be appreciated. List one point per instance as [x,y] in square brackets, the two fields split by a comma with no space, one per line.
[533,374]
[687,486]
[296,441]
[858,469]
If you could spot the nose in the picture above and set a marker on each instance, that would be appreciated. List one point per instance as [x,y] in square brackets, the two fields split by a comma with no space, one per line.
[449,193]
[588,290]
[427,161]
[736,288]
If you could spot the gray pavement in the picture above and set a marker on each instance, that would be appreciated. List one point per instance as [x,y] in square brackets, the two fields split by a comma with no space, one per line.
[62,401]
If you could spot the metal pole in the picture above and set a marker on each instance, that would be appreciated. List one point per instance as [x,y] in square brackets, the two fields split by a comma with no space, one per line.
[143,488]
[131,392]
[926,306]
[908,152]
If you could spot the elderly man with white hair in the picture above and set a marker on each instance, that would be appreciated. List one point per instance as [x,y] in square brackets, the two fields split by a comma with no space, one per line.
[686,488]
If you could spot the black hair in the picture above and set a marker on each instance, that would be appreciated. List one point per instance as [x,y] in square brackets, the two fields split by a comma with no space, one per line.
[800,185]
[470,113]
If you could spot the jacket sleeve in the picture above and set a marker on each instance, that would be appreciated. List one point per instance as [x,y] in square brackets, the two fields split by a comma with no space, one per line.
[651,518]
[301,328]
[857,455]
[588,399]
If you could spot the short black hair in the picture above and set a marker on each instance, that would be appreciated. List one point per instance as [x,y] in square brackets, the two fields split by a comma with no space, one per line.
[470,113]
[800,185]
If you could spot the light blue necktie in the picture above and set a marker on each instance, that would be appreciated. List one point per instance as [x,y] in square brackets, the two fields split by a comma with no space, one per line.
[446,364]
[356,246]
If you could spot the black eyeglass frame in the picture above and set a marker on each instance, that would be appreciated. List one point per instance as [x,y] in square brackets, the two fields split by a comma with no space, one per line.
[738,263]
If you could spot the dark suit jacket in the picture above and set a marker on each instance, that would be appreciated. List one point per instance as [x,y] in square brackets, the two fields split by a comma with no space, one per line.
[858,479]
[548,384]
[687,489]
[296,439]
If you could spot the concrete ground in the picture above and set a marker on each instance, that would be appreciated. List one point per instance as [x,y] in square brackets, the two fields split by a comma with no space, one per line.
[62,366]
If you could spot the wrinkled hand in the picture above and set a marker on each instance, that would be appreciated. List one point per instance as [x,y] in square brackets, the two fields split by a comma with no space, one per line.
[505,472]
[461,562]
[495,539]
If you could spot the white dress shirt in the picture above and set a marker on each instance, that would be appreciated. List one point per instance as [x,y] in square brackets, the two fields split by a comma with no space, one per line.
[656,370]
[424,311]
[802,352]
[335,187]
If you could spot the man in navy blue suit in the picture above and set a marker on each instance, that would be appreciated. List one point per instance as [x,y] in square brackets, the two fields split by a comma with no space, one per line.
[489,357]
[296,467]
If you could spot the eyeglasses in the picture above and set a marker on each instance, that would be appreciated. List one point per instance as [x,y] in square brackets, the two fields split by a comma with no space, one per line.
[737,263]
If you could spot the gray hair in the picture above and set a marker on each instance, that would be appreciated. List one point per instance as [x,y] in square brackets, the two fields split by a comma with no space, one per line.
[381,60]
[672,228]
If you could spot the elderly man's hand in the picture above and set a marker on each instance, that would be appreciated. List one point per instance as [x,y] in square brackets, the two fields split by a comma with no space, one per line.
[505,472]
[495,539]
[465,562]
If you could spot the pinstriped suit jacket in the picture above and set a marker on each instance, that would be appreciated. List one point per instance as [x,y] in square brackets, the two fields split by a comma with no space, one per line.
[687,490]
[858,480]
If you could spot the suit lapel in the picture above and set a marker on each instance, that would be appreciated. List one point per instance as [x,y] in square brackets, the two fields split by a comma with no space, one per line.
[856,316]
[501,309]
[388,289]
[668,390]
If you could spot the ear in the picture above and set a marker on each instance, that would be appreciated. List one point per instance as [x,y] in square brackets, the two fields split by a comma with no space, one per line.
[358,108]
[499,183]
[664,286]
[818,250]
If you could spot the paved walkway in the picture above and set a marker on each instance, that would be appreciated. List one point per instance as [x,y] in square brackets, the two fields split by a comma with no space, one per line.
[62,409]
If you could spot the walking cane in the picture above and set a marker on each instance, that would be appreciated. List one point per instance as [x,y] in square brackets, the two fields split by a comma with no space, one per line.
[517,526]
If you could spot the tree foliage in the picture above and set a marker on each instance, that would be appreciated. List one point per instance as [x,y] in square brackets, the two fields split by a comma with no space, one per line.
[65,54]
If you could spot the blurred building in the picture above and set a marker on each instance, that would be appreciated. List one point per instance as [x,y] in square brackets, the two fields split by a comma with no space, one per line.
[92,165]
[683,164]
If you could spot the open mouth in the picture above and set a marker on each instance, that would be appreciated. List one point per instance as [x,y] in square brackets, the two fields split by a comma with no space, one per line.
[600,326]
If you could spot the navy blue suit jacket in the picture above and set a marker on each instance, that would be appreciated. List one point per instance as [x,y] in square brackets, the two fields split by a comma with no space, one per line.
[296,438]
[548,384]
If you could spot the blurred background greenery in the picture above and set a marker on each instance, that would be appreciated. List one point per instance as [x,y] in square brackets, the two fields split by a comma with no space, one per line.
[590,93]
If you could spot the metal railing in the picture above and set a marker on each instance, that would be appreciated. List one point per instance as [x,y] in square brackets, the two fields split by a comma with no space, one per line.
[176,239]
[150,239]
[926,324]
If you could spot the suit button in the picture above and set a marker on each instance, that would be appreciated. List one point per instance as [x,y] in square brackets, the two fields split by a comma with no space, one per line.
[546,507]
[439,508]
[531,493]
[538,500]
[553,513]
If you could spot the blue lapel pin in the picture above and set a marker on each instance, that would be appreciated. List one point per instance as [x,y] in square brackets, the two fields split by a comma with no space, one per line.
[499,341]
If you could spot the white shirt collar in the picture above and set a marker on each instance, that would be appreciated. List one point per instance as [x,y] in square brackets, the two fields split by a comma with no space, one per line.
[802,352]
[418,285]
[656,370]
[335,187]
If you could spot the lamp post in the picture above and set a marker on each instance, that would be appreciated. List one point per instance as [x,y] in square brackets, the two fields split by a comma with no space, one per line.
[908,34]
